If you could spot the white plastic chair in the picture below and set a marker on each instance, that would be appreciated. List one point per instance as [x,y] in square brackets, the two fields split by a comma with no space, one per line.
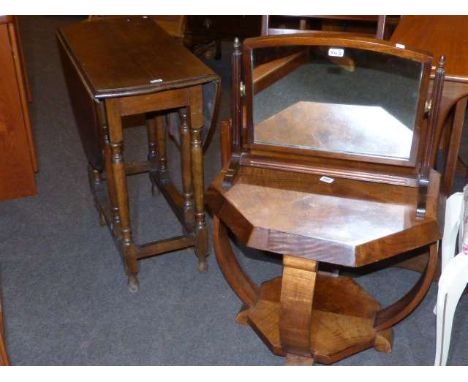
[454,276]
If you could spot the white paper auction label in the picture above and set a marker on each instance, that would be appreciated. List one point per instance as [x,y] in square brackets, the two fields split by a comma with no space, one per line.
[326,179]
[336,52]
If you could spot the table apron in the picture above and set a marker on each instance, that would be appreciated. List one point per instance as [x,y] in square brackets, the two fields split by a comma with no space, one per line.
[164,100]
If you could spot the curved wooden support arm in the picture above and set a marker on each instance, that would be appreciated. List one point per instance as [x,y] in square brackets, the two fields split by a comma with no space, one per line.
[391,315]
[240,282]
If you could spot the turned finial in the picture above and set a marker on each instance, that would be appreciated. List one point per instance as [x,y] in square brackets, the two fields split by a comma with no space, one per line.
[441,66]
[442,61]
[237,43]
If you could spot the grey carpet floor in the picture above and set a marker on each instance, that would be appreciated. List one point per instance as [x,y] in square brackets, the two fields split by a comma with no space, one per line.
[65,295]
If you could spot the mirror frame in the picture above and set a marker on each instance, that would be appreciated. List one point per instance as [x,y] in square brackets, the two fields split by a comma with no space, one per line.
[297,156]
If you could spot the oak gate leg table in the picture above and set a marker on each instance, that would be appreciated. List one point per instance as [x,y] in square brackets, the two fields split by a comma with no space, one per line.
[124,66]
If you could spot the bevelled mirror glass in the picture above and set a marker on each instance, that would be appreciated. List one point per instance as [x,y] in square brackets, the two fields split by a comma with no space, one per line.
[335,99]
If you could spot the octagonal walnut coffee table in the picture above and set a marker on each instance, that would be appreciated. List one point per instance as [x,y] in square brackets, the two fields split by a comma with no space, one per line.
[341,176]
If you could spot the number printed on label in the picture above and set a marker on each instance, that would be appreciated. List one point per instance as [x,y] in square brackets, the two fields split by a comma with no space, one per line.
[336,52]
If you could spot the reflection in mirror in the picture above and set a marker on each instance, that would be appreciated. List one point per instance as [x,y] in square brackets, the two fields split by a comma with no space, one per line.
[334,99]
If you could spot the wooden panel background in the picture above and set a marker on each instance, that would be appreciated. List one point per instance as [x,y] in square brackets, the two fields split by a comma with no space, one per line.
[16,162]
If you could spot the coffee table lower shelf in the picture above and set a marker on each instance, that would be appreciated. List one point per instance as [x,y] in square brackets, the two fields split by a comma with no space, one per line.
[341,319]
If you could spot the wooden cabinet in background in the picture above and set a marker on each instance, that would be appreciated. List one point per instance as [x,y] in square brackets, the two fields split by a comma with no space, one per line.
[18,162]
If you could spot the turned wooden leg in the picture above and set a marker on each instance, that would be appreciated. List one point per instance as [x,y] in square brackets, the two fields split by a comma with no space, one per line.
[160,121]
[120,182]
[115,224]
[151,131]
[201,230]
[95,180]
[297,294]
[186,166]
[196,124]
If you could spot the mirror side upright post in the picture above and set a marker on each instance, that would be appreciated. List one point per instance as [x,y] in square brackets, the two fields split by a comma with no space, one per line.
[236,114]
[430,149]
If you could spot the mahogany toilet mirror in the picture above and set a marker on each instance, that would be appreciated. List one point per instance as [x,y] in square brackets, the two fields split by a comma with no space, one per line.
[327,159]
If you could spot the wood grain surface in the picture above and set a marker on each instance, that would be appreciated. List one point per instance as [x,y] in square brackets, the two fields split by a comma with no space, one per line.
[121,56]
[17,156]
[440,35]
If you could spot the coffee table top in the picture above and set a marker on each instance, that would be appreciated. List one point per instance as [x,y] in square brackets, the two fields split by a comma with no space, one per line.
[338,221]
[130,55]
